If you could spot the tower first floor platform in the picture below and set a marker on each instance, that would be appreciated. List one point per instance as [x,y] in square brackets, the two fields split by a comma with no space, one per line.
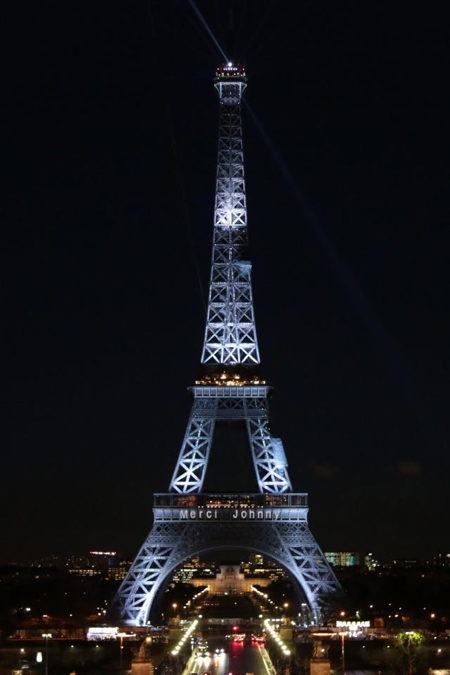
[204,508]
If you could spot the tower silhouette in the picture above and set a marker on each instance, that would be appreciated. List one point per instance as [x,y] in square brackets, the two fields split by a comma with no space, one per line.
[187,521]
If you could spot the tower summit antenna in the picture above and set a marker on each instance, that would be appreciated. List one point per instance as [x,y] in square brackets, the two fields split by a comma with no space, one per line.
[271,519]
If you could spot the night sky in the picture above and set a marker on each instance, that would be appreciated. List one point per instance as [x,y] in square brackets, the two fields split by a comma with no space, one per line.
[109,172]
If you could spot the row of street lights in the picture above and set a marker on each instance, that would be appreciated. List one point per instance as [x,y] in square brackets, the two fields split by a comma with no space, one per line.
[46,636]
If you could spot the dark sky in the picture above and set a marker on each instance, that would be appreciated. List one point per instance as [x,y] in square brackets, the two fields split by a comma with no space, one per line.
[109,170]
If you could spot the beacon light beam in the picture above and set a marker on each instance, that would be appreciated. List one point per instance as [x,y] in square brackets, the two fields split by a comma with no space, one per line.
[208,29]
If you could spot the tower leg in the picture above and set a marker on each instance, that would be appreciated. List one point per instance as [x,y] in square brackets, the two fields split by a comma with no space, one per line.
[191,466]
[270,467]
[152,565]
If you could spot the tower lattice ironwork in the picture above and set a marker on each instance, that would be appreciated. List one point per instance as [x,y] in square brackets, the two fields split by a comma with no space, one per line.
[187,521]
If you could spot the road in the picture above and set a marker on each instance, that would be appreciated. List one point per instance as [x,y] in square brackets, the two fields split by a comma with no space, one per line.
[238,659]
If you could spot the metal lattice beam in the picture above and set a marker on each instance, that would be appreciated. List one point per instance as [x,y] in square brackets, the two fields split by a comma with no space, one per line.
[268,457]
[230,335]
[225,403]
[190,469]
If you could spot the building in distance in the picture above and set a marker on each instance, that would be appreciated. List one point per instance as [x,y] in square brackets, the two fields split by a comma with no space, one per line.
[342,558]
[106,564]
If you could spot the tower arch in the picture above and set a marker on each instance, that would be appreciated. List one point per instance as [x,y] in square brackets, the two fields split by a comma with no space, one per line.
[290,544]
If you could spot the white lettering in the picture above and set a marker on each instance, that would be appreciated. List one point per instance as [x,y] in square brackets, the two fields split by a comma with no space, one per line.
[236,514]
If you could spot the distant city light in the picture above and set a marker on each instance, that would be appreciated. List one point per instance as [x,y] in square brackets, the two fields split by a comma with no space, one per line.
[353,625]
[102,633]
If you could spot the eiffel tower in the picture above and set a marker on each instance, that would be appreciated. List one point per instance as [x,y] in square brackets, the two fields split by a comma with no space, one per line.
[187,521]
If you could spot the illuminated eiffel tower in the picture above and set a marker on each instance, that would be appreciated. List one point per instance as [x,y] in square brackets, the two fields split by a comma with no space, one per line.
[187,521]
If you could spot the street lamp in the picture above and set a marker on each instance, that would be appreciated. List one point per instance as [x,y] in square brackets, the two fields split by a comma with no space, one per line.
[121,636]
[46,636]
[343,651]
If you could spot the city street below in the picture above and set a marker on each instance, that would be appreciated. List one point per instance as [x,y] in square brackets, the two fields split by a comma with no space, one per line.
[237,658]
